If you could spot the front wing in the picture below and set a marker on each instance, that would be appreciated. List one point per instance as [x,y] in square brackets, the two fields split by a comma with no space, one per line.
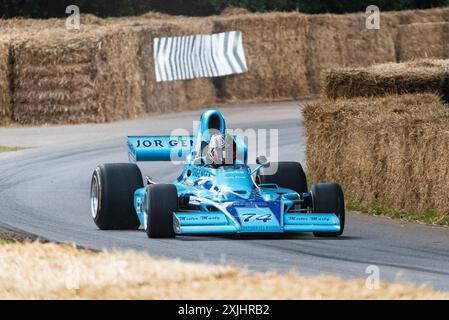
[253,219]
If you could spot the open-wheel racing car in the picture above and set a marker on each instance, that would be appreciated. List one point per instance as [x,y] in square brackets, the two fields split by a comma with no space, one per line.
[216,193]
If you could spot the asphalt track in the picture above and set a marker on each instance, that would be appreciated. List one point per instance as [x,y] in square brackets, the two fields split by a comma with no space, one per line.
[45,191]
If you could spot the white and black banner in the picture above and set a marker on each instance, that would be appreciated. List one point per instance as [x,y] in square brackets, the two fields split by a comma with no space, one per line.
[199,56]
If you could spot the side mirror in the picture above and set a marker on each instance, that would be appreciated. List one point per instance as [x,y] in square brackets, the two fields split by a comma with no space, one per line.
[262,161]
[150,181]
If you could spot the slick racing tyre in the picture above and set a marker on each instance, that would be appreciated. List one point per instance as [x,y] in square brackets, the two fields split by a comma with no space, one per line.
[328,197]
[161,201]
[288,175]
[112,196]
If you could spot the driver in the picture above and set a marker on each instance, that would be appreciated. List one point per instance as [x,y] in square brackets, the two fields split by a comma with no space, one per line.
[222,150]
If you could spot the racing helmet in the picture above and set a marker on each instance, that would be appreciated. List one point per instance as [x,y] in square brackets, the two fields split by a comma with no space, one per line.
[222,149]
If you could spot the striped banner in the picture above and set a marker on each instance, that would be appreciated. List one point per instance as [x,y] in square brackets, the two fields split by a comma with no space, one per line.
[199,56]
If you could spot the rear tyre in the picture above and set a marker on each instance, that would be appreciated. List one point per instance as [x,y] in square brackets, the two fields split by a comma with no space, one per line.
[112,196]
[288,175]
[161,201]
[328,197]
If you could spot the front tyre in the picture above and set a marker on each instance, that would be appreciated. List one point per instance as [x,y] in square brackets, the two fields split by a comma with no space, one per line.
[161,201]
[329,198]
[112,195]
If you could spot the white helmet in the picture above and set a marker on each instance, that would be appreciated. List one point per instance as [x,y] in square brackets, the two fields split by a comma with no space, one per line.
[222,149]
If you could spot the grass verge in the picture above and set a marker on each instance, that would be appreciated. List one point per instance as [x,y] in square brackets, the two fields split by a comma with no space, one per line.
[9,149]
[34,270]
[7,237]
[429,216]
[4,238]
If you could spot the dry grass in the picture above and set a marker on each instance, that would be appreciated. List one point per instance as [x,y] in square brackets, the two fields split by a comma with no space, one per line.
[388,150]
[51,271]
[391,78]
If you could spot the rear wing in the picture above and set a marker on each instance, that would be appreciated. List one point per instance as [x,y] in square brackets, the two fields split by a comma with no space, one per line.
[159,148]
[170,148]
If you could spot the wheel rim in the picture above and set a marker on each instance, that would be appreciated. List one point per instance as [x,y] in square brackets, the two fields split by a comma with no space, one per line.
[145,213]
[94,198]
[313,200]
[145,220]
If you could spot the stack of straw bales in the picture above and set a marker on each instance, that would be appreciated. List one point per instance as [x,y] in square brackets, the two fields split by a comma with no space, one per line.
[106,71]
[276,48]
[101,73]
[392,78]
[389,150]
[287,53]
[420,33]
[344,41]
[74,77]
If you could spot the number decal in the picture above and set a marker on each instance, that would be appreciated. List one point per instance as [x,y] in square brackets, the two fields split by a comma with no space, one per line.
[254,216]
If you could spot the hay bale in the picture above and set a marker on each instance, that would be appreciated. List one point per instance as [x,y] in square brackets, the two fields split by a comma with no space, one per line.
[390,78]
[5,90]
[32,27]
[344,41]
[91,19]
[275,49]
[118,78]
[418,16]
[89,76]
[404,165]
[170,96]
[231,10]
[424,40]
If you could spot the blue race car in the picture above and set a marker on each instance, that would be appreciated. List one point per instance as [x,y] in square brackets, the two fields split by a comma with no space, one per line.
[216,193]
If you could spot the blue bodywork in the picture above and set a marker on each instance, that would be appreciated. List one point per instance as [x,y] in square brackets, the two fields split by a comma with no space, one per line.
[225,199]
